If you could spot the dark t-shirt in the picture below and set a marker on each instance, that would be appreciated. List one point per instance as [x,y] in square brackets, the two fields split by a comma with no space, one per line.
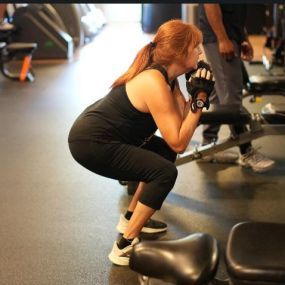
[234,17]
[113,119]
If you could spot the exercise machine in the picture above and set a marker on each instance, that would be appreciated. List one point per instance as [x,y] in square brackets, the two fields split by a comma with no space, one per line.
[275,37]
[273,58]
[82,21]
[153,15]
[41,23]
[70,15]
[92,20]
[255,255]
[270,122]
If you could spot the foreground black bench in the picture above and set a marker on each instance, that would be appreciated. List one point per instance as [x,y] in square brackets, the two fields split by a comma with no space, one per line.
[255,255]
[191,260]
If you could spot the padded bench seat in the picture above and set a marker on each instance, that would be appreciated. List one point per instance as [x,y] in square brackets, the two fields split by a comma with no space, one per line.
[190,260]
[255,254]
[225,114]
[24,47]
[267,82]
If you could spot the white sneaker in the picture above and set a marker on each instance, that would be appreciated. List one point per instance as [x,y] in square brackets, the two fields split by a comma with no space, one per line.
[150,227]
[226,156]
[122,256]
[257,161]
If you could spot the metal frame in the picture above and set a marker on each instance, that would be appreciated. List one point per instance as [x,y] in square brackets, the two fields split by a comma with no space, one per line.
[258,128]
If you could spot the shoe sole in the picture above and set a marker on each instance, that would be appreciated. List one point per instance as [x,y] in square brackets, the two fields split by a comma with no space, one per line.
[263,169]
[121,261]
[121,230]
[257,170]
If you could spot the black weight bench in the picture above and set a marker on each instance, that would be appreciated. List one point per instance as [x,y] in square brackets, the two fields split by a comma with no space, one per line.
[191,260]
[271,121]
[17,51]
[255,255]
[266,83]
[225,114]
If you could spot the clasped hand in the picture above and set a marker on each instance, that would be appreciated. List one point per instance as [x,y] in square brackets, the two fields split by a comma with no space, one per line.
[198,81]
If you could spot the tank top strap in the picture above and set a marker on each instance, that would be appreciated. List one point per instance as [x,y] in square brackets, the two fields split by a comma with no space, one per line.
[164,73]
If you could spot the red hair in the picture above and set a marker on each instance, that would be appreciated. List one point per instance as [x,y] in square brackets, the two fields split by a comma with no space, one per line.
[171,41]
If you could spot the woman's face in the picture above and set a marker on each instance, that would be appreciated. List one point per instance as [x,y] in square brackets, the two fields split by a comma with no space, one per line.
[193,57]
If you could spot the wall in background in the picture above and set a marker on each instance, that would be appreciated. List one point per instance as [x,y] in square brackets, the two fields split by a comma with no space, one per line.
[121,12]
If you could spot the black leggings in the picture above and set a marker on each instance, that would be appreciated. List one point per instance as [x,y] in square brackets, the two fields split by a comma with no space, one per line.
[153,164]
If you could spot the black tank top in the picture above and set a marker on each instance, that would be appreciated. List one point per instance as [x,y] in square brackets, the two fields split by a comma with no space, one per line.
[113,119]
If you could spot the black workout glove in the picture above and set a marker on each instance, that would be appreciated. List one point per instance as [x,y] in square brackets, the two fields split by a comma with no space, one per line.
[201,64]
[200,80]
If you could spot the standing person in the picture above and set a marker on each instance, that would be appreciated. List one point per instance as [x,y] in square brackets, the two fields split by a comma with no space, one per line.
[225,44]
[114,137]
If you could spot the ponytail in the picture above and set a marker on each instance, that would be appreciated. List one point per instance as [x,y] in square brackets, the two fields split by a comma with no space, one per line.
[171,43]
[141,61]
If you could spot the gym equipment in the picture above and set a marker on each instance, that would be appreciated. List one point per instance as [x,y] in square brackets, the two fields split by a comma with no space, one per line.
[275,37]
[273,54]
[41,23]
[70,15]
[16,51]
[12,53]
[92,20]
[270,122]
[153,15]
[255,255]
[82,21]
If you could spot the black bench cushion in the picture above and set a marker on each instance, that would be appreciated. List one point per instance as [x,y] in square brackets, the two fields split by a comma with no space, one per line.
[24,47]
[267,82]
[191,260]
[256,252]
[225,114]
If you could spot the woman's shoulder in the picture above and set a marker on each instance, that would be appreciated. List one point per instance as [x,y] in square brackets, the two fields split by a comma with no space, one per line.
[148,84]
[151,77]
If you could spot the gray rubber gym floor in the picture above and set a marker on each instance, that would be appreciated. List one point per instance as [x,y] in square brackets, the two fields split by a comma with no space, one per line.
[57,219]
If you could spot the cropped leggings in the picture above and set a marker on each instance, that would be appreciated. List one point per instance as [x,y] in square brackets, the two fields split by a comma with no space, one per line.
[152,163]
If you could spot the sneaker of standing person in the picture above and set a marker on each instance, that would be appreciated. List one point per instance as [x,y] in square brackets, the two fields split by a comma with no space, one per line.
[256,160]
[120,254]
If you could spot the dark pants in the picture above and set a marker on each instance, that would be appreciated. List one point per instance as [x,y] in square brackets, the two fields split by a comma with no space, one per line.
[228,89]
[153,164]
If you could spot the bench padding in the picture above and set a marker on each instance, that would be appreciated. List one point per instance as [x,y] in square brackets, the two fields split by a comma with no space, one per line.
[24,47]
[256,253]
[192,260]
[225,114]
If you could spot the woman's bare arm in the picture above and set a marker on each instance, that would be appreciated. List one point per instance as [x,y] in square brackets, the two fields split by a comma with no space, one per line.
[177,129]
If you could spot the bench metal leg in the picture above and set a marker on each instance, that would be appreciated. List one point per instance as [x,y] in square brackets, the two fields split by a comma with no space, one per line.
[25,74]
[256,132]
